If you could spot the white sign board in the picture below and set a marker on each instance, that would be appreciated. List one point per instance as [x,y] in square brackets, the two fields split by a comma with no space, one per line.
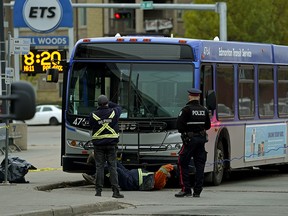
[19,45]
[158,24]
[9,75]
[146,5]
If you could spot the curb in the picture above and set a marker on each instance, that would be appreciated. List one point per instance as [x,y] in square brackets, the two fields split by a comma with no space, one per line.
[75,210]
[50,187]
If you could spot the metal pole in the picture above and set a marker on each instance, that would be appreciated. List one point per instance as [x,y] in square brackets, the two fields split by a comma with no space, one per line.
[2,48]
[7,104]
[211,7]
[222,10]
[9,50]
[3,76]
[7,140]
[16,58]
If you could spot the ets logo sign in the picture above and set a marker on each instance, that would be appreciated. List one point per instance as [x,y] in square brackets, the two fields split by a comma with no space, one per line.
[42,15]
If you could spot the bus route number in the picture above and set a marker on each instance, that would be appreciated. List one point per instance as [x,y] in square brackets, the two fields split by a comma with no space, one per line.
[80,121]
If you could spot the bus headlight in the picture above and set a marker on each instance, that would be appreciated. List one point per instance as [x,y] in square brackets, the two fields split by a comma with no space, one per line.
[77,144]
[173,146]
[178,145]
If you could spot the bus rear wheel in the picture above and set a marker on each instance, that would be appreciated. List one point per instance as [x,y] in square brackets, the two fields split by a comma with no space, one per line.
[218,171]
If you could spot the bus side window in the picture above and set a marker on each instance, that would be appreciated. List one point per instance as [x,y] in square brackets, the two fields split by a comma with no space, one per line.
[225,91]
[206,80]
[266,92]
[282,89]
[246,91]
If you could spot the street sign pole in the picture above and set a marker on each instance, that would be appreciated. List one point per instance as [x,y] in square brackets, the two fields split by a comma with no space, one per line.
[2,48]
[15,46]
[6,182]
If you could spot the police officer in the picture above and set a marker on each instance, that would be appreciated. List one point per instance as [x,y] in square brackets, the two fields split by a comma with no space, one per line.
[192,123]
[105,137]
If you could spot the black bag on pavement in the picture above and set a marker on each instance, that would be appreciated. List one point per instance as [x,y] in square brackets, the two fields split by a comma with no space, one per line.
[17,169]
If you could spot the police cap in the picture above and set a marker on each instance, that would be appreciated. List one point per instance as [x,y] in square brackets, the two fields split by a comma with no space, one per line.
[194,92]
[102,100]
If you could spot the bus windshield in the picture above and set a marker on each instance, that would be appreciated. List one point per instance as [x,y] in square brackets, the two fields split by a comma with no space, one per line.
[154,90]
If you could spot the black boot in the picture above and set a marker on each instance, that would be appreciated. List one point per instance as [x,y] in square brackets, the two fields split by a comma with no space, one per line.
[183,194]
[116,194]
[98,193]
[196,193]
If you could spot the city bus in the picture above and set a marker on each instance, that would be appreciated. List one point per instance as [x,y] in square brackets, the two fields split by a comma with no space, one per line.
[244,86]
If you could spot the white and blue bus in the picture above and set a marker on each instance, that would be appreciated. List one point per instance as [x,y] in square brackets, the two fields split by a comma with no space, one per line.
[245,86]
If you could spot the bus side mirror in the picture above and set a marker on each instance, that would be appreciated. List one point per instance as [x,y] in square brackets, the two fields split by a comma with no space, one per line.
[22,101]
[211,100]
[52,75]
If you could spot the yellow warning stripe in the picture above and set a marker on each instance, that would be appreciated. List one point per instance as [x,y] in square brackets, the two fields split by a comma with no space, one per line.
[6,126]
[45,169]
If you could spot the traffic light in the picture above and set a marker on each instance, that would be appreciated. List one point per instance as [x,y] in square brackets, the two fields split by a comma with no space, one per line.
[122,15]
[52,75]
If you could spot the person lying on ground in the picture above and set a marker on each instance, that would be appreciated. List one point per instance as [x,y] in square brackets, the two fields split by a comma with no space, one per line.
[137,179]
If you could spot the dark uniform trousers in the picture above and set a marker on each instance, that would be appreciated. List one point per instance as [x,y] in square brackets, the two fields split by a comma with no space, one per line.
[110,151]
[195,148]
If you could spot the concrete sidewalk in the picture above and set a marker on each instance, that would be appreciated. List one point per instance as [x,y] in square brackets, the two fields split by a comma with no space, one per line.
[27,199]
[30,199]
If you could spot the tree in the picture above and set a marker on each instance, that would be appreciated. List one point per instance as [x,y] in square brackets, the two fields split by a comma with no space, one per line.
[252,21]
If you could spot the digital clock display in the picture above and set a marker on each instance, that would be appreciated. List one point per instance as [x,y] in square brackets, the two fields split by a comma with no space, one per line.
[38,61]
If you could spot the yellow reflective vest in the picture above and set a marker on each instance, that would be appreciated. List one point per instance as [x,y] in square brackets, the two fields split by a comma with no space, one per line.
[146,180]
[105,131]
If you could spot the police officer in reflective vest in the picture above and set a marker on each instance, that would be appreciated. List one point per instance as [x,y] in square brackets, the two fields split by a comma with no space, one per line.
[105,137]
[192,123]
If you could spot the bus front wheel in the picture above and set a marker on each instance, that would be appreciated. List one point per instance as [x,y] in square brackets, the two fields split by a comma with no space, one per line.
[218,171]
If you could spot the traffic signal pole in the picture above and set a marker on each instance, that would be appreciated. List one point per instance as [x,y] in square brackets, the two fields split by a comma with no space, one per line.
[219,7]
